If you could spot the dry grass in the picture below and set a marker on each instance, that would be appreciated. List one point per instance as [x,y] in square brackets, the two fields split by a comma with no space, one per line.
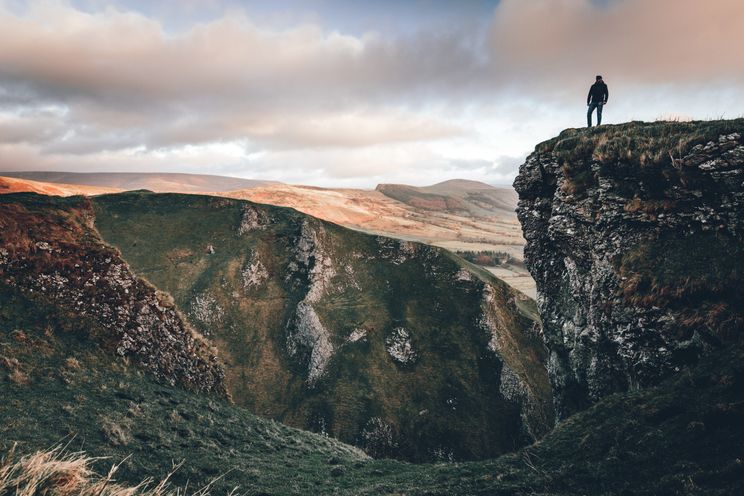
[650,206]
[15,373]
[72,363]
[19,378]
[56,473]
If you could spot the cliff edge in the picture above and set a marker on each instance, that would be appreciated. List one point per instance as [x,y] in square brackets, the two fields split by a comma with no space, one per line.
[635,240]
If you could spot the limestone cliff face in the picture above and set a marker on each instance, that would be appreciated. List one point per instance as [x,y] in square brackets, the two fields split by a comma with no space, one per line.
[635,237]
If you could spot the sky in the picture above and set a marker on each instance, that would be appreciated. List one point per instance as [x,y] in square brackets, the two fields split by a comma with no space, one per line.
[346,93]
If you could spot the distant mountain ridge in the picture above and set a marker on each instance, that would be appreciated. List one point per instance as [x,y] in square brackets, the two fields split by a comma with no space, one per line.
[159,182]
[23,185]
[456,196]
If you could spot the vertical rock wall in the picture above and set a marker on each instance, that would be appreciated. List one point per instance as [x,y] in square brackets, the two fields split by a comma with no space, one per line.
[635,238]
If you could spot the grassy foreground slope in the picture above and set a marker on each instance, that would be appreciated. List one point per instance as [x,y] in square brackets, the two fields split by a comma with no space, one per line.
[683,437]
[401,348]
[57,385]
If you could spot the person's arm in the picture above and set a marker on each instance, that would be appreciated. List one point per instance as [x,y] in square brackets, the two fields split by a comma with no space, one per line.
[589,96]
[606,94]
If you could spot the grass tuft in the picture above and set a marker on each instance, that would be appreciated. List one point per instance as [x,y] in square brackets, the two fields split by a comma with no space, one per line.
[55,472]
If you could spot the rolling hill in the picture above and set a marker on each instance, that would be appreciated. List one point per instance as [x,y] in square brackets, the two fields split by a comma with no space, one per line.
[152,181]
[16,185]
[457,196]
[338,331]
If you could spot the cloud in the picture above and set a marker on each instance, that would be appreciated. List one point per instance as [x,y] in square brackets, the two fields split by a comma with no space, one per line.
[115,89]
[629,41]
[220,80]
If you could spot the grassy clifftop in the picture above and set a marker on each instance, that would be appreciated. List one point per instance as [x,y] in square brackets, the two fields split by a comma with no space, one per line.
[645,144]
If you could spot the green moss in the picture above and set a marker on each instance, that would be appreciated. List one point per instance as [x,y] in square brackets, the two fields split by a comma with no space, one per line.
[649,144]
[641,155]
[696,274]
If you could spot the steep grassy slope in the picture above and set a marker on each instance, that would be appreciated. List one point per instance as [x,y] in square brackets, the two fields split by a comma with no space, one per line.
[50,252]
[401,348]
[58,385]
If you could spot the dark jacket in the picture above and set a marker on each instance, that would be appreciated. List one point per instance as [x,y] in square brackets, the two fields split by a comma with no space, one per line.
[597,93]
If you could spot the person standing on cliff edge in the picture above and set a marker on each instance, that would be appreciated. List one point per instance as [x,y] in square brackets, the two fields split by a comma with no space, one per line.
[596,99]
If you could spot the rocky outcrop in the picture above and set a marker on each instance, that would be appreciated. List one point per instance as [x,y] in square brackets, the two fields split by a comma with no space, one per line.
[635,237]
[253,219]
[307,337]
[399,346]
[254,273]
[206,311]
[54,255]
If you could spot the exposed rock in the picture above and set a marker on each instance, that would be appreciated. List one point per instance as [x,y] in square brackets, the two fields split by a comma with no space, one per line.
[357,335]
[306,336]
[254,274]
[399,346]
[43,245]
[71,268]
[379,438]
[350,277]
[396,250]
[634,237]
[511,386]
[312,260]
[306,332]
[493,319]
[206,311]
[253,219]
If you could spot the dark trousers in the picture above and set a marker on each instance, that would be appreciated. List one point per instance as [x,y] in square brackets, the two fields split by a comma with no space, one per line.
[592,106]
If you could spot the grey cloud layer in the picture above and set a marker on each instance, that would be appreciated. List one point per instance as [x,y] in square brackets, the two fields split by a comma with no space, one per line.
[637,41]
[74,83]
